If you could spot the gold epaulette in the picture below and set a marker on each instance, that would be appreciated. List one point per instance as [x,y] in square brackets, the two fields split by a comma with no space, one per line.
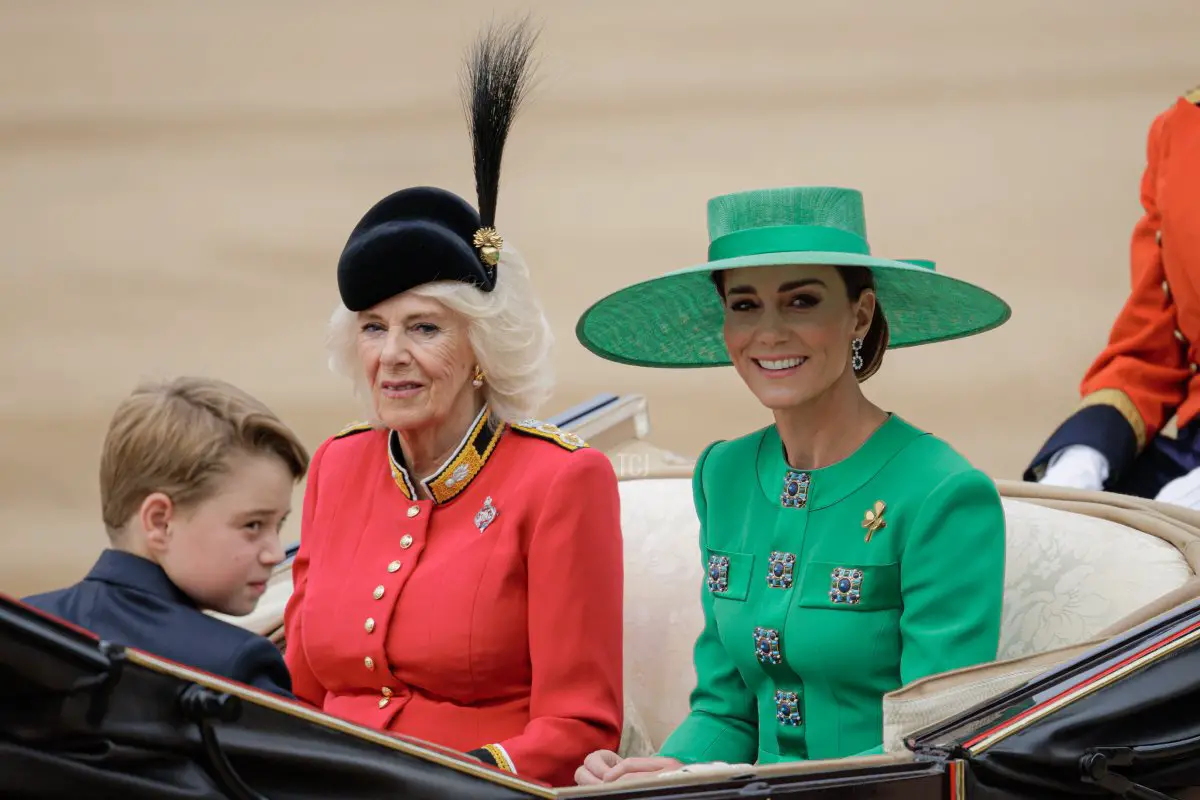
[353,428]
[549,432]
[1193,96]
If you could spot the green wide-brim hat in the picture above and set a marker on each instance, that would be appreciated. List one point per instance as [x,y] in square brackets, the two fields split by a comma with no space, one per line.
[676,320]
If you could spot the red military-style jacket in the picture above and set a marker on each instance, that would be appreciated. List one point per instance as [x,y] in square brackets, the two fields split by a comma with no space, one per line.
[1148,371]
[488,619]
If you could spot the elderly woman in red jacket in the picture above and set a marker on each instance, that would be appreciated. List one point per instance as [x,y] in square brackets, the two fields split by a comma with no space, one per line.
[459,578]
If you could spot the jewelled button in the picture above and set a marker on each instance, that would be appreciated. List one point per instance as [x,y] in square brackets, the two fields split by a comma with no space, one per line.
[406,541]
[369,625]
[369,663]
[413,511]
[766,646]
[787,708]
[392,567]
[795,489]
[846,586]
[718,573]
[779,570]
[383,701]
[378,593]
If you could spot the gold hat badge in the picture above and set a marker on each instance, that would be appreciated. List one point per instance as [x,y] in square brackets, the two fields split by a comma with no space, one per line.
[873,519]
[489,244]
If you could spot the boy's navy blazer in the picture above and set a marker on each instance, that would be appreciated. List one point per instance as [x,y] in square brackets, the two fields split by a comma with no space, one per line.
[128,600]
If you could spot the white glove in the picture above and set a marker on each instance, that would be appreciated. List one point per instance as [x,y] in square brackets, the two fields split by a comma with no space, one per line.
[1183,491]
[1077,467]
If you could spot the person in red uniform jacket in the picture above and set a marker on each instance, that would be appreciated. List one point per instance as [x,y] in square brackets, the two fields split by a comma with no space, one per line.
[459,577]
[1123,438]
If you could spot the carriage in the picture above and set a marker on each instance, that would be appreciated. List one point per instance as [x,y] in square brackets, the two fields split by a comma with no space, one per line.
[1090,695]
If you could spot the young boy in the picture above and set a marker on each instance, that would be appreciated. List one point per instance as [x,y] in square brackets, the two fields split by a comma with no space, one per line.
[196,480]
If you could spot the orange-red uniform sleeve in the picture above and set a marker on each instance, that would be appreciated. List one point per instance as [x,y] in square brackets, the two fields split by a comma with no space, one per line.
[305,685]
[576,589]
[1144,360]
[1139,379]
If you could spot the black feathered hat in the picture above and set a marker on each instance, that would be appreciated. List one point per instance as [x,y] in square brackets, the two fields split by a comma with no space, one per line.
[424,233]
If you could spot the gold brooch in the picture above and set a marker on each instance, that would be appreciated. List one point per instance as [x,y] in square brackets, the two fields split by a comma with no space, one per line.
[488,242]
[873,519]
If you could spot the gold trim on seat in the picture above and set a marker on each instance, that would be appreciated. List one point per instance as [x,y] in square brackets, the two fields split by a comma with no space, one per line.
[1150,655]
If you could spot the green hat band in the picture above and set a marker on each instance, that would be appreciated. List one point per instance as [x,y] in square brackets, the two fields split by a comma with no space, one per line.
[786,239]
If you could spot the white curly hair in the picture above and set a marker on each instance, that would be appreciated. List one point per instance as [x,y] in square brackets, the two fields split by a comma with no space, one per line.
[507,329]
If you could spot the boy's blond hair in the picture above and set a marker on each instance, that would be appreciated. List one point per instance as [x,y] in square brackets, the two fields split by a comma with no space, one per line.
[176,437]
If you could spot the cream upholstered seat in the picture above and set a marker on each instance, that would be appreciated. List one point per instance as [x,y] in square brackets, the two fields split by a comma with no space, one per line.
[1080,566]
[1069,577]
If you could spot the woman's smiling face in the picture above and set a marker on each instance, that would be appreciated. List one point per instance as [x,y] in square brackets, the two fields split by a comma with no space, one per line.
[789,330]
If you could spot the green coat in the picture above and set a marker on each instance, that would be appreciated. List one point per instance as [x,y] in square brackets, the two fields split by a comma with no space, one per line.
[806,623]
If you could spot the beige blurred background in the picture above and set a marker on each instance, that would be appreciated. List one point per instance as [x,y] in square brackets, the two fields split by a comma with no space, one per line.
[178,177]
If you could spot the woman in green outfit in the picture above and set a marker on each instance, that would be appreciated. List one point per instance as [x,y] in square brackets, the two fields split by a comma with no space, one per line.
[846,552]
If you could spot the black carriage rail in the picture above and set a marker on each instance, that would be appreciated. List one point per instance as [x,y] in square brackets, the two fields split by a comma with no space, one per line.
[1118,720]
[169,732]
[953,736]
[69,702]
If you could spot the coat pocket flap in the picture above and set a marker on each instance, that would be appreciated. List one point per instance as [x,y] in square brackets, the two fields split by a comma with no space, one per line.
[850,587]
[727,574]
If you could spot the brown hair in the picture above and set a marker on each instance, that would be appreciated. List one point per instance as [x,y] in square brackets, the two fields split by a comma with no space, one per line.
[875,342]
[177,437]
[857,280]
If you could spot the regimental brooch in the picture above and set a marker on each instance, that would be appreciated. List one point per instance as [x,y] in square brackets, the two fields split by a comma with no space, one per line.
[485,515]
[873,519]
[489,243]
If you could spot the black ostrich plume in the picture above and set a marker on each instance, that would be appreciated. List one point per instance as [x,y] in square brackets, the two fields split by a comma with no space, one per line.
[496,79]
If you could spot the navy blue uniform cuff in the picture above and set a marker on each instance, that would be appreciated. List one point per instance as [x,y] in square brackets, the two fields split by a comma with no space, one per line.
[493,755]
[1101,427]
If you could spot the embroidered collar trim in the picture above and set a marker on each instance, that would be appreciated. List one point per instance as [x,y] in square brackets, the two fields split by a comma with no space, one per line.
[462,467]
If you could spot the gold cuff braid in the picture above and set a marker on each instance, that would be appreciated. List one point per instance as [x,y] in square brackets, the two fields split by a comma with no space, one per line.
[1122,403]
[500,756]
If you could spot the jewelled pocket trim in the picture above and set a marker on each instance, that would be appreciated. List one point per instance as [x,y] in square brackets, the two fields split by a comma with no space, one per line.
[849,586]
[845,585]
[718,573]
[727,575]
